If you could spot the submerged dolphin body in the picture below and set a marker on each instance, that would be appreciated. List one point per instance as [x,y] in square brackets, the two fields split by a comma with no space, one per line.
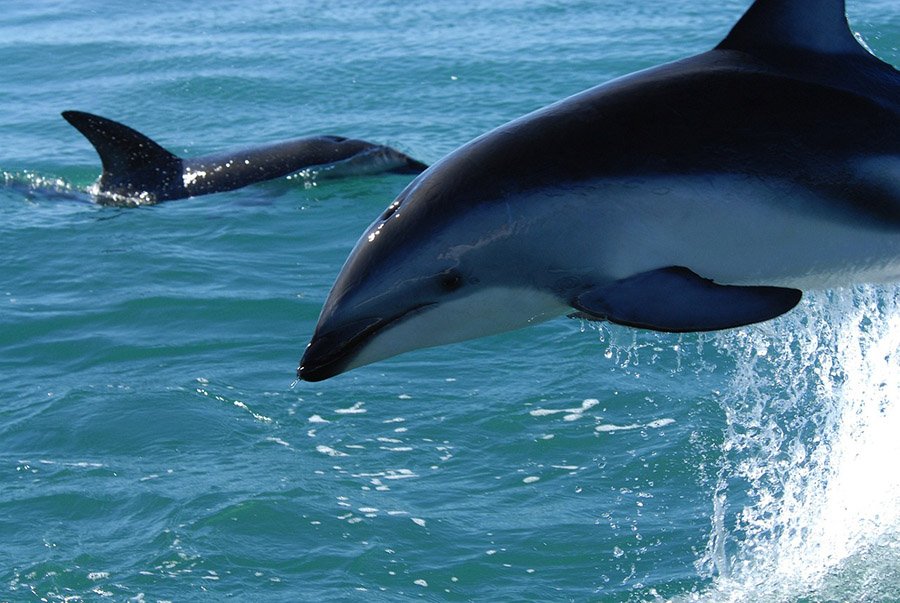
[699,195]
[136,170]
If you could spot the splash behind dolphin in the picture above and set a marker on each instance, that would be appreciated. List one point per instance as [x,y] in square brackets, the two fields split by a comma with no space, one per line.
[137,170]
[699,195]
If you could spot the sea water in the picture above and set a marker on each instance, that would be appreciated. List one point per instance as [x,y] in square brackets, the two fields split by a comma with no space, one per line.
[154,445]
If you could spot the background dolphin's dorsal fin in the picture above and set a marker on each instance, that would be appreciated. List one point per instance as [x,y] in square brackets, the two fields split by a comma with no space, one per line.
[818,26]
[124,152]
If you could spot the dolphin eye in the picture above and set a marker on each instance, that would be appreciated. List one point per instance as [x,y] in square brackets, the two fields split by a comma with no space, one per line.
[451,280]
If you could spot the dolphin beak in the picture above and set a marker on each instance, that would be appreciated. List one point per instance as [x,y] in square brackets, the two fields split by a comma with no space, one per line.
[329,354]
[332,350]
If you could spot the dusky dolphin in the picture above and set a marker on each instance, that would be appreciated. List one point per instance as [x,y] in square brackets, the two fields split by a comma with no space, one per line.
[698,195]
[138,171]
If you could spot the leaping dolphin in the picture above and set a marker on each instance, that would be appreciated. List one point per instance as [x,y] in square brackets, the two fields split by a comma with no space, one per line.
[138,171]
[698,195]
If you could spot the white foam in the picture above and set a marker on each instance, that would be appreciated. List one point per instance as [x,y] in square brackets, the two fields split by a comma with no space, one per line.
[571,414]
[329,451]
[356,409]
[609,427]
[811,448]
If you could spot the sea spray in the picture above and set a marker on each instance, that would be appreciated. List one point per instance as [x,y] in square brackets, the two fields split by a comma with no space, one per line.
[807,500]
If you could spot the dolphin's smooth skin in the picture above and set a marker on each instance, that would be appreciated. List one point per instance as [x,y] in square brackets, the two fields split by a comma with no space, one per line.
[138,171]
[698,195]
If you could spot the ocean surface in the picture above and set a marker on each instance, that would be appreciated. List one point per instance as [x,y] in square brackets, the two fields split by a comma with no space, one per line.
[154,445]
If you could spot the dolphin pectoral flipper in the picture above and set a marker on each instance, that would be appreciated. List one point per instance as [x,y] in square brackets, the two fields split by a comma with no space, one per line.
[677,300]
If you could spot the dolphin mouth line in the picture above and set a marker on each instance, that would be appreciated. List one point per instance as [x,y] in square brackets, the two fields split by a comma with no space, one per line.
[328,355]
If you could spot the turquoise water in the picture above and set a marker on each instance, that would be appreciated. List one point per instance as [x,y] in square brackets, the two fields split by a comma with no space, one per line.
[154,445]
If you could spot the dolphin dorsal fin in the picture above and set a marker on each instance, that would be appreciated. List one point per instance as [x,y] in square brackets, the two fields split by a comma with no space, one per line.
[818,26]
[123,151]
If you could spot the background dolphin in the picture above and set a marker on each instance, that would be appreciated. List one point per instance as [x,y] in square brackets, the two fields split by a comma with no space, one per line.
[702,194]
[137,170]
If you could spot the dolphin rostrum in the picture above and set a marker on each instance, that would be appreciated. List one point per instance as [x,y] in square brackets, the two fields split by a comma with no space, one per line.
[698,195]
[138,171]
